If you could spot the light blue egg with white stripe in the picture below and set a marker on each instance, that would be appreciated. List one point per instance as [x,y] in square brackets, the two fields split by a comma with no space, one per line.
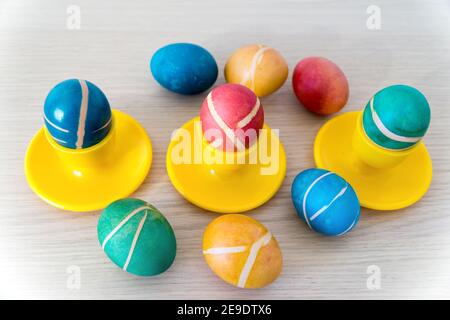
[325,202]
[77,114]
[397,117]
[137,237]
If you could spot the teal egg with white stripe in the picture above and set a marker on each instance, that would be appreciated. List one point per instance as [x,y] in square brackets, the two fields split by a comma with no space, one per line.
[325,202]
[77,114]
[397,117]
[137,237]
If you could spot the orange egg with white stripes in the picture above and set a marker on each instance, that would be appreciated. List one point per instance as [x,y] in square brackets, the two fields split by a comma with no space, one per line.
[242,251]
[231,117]
[258,67]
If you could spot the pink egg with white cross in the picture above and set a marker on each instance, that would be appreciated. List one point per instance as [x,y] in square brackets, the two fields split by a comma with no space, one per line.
[231,117]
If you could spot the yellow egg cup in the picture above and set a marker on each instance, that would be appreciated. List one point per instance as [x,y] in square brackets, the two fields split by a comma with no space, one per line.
[90,179]
[383,179]
[225,182]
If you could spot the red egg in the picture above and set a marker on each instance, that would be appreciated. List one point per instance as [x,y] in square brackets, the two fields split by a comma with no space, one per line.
[231,117]
[320,85]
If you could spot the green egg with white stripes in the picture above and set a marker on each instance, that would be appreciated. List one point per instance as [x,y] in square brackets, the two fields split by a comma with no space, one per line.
[137,237]
[396,117]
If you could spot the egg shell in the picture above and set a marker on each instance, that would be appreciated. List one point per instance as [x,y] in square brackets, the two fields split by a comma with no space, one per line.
[184,68]
[137,237]
[396,117]
[241,251]
[260,68]
[320,85]
[325,202]
[77,114]
[231,117]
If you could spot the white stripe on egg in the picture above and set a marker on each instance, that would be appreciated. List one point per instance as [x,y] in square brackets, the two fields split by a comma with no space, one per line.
[122,223]
[83,114]
[135,239]
[385,131]
[325,207]
[54,125]
[104,126]
[306,196]
[248,266]
[250,74]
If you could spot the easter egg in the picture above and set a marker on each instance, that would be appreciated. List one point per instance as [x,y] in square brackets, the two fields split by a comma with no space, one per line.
[231,117]
[77,114]
[137,237]
[396,117]
[184,68]
[260,68]
[325,202]
[241,251]
[320,85]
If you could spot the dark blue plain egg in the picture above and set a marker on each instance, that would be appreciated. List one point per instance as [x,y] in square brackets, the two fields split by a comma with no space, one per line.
[184,68]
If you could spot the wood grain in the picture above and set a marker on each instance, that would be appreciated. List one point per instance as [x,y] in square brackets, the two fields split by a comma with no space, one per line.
[112,49]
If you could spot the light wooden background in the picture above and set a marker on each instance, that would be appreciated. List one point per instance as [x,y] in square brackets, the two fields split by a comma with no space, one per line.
[112,49]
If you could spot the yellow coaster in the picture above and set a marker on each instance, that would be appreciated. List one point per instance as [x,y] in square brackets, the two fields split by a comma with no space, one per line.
[222,187]
[390,188]
[90,179]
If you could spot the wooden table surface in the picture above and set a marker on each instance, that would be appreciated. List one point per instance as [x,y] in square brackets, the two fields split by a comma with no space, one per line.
[40,246]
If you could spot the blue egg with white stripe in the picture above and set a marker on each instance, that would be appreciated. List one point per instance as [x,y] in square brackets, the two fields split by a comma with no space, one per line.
[397,117]
[77,114]
[184,68]
[325,202]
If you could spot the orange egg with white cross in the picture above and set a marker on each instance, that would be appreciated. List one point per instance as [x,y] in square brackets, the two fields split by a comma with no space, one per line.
[260,68]
[231,117]
[242,251]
